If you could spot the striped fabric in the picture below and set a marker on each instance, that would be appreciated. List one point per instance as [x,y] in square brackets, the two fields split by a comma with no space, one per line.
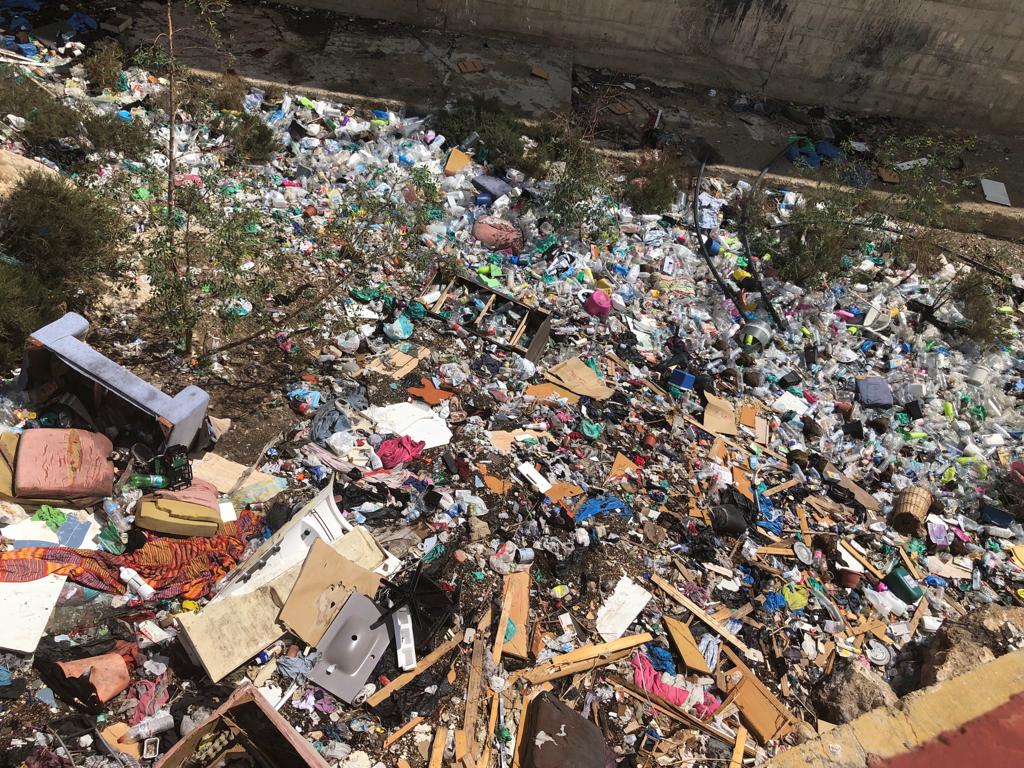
[186,568]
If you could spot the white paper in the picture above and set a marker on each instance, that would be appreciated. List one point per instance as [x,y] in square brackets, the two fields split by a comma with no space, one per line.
[621,608]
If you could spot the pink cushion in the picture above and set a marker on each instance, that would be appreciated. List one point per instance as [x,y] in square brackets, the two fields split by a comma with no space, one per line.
[63,464]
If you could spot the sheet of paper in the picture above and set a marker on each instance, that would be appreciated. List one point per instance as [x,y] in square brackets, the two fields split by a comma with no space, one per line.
[621,608]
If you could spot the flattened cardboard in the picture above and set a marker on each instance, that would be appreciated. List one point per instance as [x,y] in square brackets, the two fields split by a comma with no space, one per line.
[720,416]
[399,361]
[549,390]
[224,473]
[504,440]
[324,584]
[621,467]
[231,629]
[578,377]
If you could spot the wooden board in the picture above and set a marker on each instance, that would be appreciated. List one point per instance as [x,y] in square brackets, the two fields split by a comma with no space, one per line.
[402,731]
[422,666]
[737,750]
[685,643]
[762,711]
[701,614]
[437,749]
[519,585]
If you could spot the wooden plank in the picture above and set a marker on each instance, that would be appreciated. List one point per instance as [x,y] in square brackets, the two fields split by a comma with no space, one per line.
[862,560]
[673,711]
[499,633]
[547,672]
[601,649]
[519,585]
[737,750]
[918,615]
[909,563]
[424,664]
[437,750]
[787,719]
[485,756]
[701,614]
[801,515]
[686,645]
[402,731]
[461,745]
[474,686]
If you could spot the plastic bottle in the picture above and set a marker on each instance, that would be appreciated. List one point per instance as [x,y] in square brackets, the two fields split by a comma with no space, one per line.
[148,481]
[136,583]
[113,510]
[151,726]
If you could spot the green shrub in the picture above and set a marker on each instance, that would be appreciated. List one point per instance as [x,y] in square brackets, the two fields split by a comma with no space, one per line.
[252,140]
[653,184]
[58,244]
[501,134]
[103,66]
[48,119]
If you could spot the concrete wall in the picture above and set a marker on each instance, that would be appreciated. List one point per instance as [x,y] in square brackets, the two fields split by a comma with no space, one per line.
[960,61]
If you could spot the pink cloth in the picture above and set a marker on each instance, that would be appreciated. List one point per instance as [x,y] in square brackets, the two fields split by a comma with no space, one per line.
[598,304]
[648,678]
[399,450]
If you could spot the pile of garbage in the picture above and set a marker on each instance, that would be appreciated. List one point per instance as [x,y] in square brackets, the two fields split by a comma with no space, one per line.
[543,502]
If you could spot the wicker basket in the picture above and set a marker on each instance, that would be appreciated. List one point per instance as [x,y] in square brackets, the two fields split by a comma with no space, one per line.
[908,516]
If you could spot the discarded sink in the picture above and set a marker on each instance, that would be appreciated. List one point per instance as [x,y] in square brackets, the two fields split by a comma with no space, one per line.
[351,648]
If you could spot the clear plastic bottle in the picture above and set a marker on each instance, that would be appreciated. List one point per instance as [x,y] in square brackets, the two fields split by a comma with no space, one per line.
[151,726]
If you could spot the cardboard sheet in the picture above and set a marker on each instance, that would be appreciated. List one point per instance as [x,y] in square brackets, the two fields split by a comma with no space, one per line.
[621,608]
[399,361]
[622,467]
[504,440]
[578,377]
[720,416]
[232,629]
[548,390]
[324,584]
[224,473]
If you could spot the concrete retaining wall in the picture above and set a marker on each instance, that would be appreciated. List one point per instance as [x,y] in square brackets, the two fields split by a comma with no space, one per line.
[961,61]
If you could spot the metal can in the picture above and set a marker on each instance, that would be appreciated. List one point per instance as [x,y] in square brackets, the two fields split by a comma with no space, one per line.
[525,555]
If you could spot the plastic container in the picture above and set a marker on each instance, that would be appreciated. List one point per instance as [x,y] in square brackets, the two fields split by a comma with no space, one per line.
[136,583]
[903,585]
[151,726]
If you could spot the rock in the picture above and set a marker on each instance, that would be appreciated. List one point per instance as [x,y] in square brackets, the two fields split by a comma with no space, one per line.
[965,643]
[478,529]
[852,689]
[13,167]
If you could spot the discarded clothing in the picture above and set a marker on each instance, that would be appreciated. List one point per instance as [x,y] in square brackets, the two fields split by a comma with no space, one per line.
[602,506]
[648,678]
[399,450]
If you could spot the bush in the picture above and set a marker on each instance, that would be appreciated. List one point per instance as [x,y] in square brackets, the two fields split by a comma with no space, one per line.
[230,92]
[50,122]
[501,134]
[60,242]
[252,140]
[652,185]
[25,305]
[103,67]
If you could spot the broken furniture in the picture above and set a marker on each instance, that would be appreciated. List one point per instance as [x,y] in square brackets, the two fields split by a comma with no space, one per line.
[61,367]
[530,333]
[253,728]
